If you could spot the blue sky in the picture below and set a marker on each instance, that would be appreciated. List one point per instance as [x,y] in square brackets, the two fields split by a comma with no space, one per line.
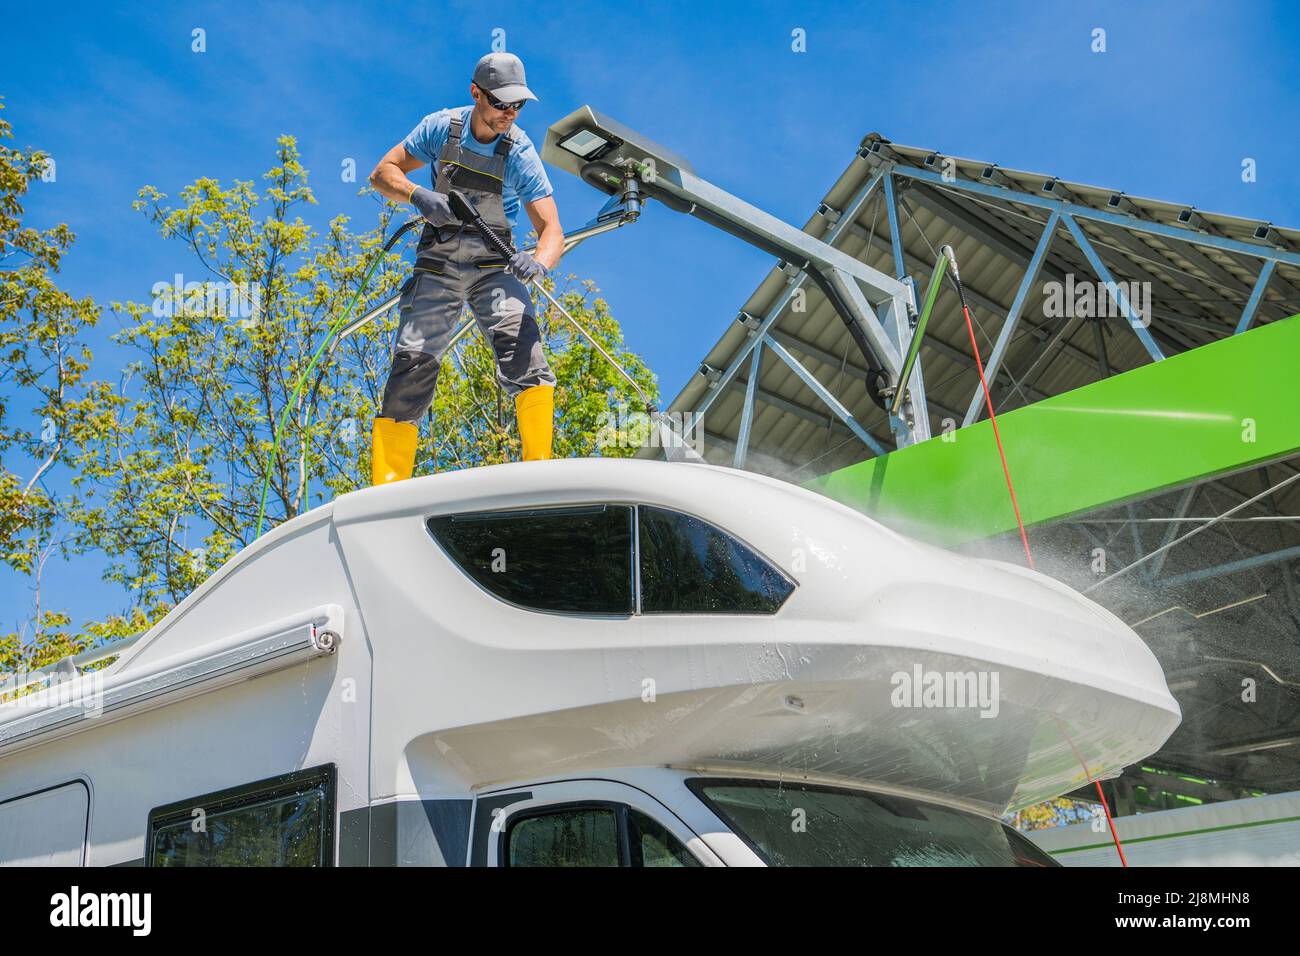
[1182,94]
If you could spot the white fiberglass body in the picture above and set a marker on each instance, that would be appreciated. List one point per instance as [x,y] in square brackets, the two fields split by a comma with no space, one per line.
[431,687]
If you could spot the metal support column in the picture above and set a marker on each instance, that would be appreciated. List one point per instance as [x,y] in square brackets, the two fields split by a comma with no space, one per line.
[1013,316]
[1113,288]
[747,414]
[1256,296]
[1184,504]
[820,390]
[1232,567]
[898,325]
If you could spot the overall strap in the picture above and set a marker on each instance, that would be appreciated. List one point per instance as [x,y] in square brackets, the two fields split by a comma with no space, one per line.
[505,143]
[454,131]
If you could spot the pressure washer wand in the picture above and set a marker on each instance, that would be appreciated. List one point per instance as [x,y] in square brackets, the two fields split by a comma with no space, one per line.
[914,347]
[465,211]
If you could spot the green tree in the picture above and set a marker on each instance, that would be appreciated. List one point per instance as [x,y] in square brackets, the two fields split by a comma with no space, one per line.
[46,401]
[43,392]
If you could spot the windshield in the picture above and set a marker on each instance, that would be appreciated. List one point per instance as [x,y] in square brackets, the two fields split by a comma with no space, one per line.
[794,824]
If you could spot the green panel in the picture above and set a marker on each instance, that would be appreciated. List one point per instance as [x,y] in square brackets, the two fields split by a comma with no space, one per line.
[1216,409]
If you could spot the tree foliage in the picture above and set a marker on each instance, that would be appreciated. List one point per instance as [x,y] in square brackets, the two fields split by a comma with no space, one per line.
[167,460]
[44,395]
[46,402]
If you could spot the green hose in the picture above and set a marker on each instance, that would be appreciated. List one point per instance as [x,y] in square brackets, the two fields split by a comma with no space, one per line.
[302,379]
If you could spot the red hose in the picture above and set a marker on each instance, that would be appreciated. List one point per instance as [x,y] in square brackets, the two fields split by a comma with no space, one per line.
[988,401]
[1024,538]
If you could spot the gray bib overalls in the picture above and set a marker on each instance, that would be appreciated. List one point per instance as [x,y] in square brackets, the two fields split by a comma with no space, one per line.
[454,267]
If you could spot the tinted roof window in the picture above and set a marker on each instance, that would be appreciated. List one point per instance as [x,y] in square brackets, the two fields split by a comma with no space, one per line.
[689,566]
[571,559]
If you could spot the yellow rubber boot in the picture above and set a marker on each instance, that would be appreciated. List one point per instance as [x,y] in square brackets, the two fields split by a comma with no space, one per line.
[392,448]
[535,411]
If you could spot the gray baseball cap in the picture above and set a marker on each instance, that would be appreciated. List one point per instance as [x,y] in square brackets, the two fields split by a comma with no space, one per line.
[502,75]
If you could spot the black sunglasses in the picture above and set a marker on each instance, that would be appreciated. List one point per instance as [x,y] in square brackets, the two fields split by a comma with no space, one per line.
[496,104]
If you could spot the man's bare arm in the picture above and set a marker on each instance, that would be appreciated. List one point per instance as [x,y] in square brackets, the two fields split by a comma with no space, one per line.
[545,216]
[389,177]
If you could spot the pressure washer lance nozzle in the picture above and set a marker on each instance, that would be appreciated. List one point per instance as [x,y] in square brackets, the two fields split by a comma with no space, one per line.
[951,256]
[952,261]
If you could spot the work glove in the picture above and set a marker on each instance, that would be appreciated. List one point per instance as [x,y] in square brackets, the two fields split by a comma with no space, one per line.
[432,206]
[526,267]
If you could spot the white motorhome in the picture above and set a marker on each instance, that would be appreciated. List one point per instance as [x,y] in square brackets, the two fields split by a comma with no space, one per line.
[582,662]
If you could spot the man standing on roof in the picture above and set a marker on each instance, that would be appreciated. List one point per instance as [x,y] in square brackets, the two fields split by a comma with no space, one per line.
[478,150]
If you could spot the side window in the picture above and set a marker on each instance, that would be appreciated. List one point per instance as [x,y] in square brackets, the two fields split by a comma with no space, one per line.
[689,566]
[600,835]
[575,560]
[583,836]
[46,828]
[652,845]
[284,821]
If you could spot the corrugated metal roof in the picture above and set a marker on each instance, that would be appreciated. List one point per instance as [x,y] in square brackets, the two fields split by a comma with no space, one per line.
[1197,292]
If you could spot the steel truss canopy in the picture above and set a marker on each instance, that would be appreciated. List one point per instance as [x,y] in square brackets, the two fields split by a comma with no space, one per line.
[786,392]
[1069,284]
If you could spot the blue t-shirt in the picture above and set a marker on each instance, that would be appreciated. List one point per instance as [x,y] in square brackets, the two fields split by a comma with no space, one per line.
[526,179]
